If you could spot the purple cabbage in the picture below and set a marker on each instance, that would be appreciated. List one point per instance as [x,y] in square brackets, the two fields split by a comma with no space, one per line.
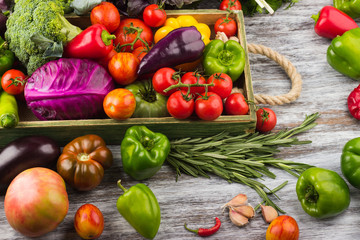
[67,89]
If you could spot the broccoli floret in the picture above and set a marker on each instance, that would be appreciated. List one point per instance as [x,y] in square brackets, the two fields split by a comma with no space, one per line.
[37,17]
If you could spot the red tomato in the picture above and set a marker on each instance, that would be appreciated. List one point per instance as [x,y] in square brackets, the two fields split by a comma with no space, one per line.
[266,119]
[208,107]
[126,34]
[119,104]
[13,81]
[140,52]
[106,14]
[230,4]
[236,104]
[222,84]
[179,106]
[164,78]
[226,25]
[154,16]
[192,78]
[105,60]
[283,228]
[123,68]
[89,221]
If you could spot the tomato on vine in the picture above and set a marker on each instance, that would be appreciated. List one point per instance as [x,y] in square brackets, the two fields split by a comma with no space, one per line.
[192,78]
[208,106]
[164,78]
[180,105]
[236,104]
[266,119]
[154,15]
[140,52]
[230,5]
[13,81]
[226,25]
[222,84]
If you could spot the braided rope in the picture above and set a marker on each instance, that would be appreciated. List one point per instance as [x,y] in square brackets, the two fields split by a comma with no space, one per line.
[295,77]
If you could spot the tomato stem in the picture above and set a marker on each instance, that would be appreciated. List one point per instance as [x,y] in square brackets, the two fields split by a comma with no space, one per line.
[133,29]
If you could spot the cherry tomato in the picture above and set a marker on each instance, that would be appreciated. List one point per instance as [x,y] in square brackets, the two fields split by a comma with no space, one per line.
[123,68]
[236,104]
[283,227]
[179,105]
[192,78]
[154,15]
[140,52]
[266,119]
[89,221]
[164,78]
[13,81]
[222,84]
[119,104]
[208,107]
[226,25]
[106,14]
[230,4]
[126,34]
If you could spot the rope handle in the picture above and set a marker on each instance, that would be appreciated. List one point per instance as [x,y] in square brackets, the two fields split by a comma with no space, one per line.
[295,77]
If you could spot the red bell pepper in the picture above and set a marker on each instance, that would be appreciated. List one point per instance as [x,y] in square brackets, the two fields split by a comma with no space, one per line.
[94,42]
[330,22]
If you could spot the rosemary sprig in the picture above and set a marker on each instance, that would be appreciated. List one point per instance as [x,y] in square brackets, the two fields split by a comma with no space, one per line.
[243,158]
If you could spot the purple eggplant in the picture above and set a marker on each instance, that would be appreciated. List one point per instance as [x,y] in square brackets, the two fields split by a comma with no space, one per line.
[181,45]
[26,152]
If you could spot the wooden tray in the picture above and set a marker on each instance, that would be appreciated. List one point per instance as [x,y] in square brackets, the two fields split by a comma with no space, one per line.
[112,131]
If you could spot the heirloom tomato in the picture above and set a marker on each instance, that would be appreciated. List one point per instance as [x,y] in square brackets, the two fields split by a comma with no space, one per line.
[106,14]
[283,227]
[179,105]
[119,104]
[236,104]
[208,106]
[266,119]
[230,4]
[89,221]
[13,82]
[222,84]
[164,78]
[123,67]
[154,15]
[226,25]
[127,31]
[192,78]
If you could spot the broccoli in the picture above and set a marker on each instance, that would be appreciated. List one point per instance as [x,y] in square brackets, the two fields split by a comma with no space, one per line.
[32,18]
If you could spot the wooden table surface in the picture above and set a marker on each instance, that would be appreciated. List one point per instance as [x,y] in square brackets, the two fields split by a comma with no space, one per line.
[198,200]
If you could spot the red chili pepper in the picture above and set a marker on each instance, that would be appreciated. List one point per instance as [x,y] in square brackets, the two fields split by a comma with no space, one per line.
[204,232]
[354,103]
[331,22]
[94,42]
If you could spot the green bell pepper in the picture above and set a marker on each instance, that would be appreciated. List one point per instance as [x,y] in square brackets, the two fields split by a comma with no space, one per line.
[322,192]
[143,152]
[343,53]
[139,206]
[350,7]
[220,57]
[7,57]
[350,162]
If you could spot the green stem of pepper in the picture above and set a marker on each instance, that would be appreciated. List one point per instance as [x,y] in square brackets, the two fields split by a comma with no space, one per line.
[121,186]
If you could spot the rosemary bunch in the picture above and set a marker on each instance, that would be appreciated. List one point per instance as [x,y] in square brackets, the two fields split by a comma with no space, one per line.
[242,159]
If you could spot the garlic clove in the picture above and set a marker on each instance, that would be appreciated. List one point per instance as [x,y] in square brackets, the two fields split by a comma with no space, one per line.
[246,210]
[238,200]
[237,219]
[269,213]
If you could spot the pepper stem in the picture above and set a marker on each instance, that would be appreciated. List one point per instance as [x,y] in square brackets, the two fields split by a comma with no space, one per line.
[311,195]
[190,230]
[316,17]
[121,186]
[107,37]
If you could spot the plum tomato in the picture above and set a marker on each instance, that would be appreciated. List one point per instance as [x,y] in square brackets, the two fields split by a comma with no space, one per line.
[123,68]
[106,14]
[13,81]
[230,4]
[89,221]
[164,78]
[222,84]
[208,106]
[192,78]
[236,104]
[266,119]
[119,104]
[283,227]
[226,25]
[179,105]
[154,15]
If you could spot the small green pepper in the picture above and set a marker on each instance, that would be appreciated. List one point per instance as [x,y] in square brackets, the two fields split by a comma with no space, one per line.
[220,57]
[143,152]
[139,206]
[7,57]
[343,53]
[322,192]
[350,7]
[9,115]
[350,162]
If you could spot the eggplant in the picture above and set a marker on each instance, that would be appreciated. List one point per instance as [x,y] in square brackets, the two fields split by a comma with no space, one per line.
[26,152]
[3,19]
[181,45]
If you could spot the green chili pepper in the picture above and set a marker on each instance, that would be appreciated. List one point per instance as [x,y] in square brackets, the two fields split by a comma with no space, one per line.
[139,206]
[220,57]
[143,152]
[322,192]
[350,162]
[343,53]
[9,116]
[350,7]
[7,57]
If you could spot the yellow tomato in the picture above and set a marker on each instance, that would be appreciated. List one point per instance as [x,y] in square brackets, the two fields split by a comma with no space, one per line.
[203,29]
[186,21]
[172,22]
[162,32]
